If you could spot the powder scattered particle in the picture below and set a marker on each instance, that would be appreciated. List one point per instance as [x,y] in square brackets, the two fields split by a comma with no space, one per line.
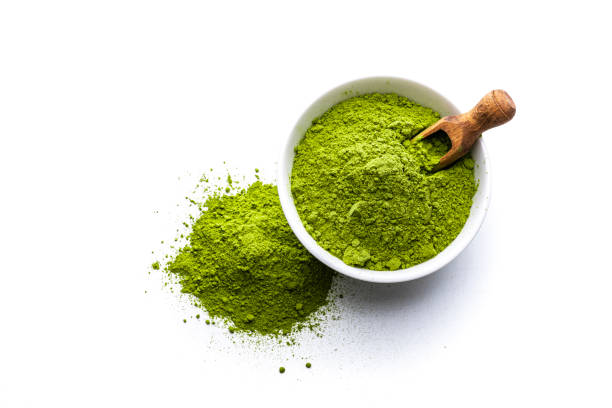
[308,365]
[365,192]
[281,370]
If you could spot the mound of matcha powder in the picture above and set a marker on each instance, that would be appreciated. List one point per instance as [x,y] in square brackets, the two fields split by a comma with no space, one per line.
[244,264]
[365,192]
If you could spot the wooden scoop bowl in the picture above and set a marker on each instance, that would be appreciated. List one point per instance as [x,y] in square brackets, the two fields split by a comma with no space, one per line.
[494,109]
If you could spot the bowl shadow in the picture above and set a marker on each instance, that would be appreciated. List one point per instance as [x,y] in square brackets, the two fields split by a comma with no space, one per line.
[426,310]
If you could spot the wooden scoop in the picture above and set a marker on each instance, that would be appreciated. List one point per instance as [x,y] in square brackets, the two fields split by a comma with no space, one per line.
[494,109]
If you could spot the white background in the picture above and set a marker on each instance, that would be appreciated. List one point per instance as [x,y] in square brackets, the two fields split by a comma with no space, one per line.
[104,105]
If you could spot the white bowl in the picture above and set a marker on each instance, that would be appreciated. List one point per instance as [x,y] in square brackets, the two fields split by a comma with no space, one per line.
[423,96]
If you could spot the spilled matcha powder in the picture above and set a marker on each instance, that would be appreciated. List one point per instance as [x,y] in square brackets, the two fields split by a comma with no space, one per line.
[365,192]
[244,264]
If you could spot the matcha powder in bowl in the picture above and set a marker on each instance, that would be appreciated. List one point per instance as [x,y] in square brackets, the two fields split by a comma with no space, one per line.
[365,193]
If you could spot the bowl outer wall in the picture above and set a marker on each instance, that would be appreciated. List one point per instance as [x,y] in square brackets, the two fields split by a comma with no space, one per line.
[424,96]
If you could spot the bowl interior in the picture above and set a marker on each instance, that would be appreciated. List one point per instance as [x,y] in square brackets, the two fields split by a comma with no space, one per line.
[423,96]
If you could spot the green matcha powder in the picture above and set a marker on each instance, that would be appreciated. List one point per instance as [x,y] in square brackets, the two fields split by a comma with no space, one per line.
[365,192]
[244,264]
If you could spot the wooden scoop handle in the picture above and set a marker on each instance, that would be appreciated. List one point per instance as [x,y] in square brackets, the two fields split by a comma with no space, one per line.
[494,109]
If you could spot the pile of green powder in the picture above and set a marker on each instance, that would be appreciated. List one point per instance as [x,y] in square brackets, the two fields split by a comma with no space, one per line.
[365,192]
[243,264]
